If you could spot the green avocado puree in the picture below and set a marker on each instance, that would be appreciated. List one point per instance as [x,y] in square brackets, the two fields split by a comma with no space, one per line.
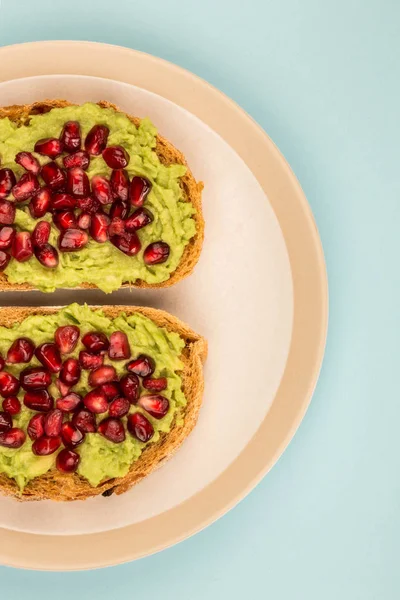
[100,458]
[103,264]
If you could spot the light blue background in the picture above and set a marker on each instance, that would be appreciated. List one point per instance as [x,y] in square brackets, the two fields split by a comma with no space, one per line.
[322,78]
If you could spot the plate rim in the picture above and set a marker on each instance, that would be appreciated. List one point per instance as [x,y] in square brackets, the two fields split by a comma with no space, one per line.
[310,285]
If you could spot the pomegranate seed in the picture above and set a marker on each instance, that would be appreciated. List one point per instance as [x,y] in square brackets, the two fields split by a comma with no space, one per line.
[117,227]
[49,355]
[39,400]
[26,187]
[50,147]
[53,422]
[63,201]
[53,175]
[2,363]
[7,212]
[9,385]
[72,239]
[65,219]
[12,405]
[22,246]
[71,136]
[119,407]
[101,189]
[111,389]
[13,438]
[77,159]
[119,209]
[67,461]
[66,338]
[70,372]
[119,181]
[71,435]
[116,157]
[63,388]
[139,190]
[156,405]
[4,260]
[90,361]
[41,234]
[5,421]
[7,182]
[129,385]
[156,253]
[69,402]
[36,426]
[40,203]
[128,243]
[140,427]
[78,183]
[112,429]
[119,346]
[99,227]
[85,421]
[140,218]
[84,220]
[28,162]
[155,385]
[96,401]
[7,234]
[95,341]
[45,445]
[96,139]
[20,351]
[47,255]
[143,366]
[89,204]
[102,375]
[35,378]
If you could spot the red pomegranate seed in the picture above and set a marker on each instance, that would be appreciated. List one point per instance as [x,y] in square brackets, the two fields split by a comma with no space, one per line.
[116,157]
[156,405]
[69,402]
[71,136]
[36,426]
[77,159]
[155,385]
[40,203]
[65,219]
[20,351]
[128,243]
[139,190]
[95,341]
[39,400]
[119,209]
[63,388]
[99,227]
[140,427]
[111,389]
[96,139]
[35,378]
[4,260]
[47,255]
[89,204]
[26,187]
[49,355]
[140,218]
[53,175]
[156,253]
[129,385]
[7,182]
[5,421]
[50,147]
[112,429]
[66,338]
[143,366]
[119,346]
[7,234]
[41,234]
[28,162]
[90,361]
[12,405]
[9,385]
[84,220]
[45,445]
[2,363]
[119,181]
[96,401]
[13,438]
[22,246]
[78,183]
[63,201]
[117,227]
[101,189]
[53,422]
[71,435]
[119,407]
[67,461]
[85,421]
[72,239]
[102,375]
[7,212]
[71,371]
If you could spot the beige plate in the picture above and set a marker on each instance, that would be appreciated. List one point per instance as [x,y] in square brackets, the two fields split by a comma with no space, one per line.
[310,304]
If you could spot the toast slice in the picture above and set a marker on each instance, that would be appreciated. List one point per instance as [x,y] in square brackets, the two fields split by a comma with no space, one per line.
[167,155]
[54,485]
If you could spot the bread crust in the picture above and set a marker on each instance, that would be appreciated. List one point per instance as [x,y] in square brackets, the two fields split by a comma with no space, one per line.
[167,153]
[54,485]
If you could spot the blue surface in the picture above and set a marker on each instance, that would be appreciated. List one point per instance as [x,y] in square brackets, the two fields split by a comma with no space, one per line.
[322,78]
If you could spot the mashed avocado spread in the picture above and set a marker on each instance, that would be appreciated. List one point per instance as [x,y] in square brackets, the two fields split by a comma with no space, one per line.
[100,458]
[103,264]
